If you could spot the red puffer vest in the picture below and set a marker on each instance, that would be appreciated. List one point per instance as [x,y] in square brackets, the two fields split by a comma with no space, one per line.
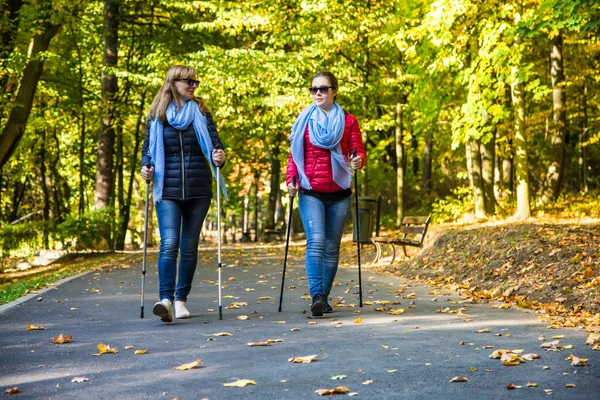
[317,161]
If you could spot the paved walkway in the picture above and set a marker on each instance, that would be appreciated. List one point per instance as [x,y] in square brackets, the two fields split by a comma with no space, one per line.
[412,355]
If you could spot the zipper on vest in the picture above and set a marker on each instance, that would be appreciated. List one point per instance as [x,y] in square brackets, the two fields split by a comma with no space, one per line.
[182,165]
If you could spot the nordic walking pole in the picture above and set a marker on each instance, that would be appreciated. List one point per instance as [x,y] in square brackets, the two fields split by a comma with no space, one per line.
[287,243]
[219,232]
[145,243]
[357,231]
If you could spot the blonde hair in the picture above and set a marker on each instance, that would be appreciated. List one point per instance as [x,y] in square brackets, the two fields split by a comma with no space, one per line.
[167,93]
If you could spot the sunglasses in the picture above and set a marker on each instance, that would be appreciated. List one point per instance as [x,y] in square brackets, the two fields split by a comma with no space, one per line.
[322,89]
[190,82]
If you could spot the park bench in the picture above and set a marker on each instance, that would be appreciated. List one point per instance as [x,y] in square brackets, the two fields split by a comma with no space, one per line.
[413,231]
[278,231]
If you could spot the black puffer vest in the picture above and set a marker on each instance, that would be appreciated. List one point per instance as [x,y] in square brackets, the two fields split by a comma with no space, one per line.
[187,172]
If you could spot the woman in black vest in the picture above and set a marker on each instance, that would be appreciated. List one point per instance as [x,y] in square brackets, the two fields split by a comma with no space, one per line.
[180,140]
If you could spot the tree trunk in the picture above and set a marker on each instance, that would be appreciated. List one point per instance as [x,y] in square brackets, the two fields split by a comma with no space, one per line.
[488,155]
[415,159]
[474,169]
[106,135]
[559,119]
[400,166]
[43,181]
[427,161]
[274,182]
[521,162]
[582,148]
[17,119]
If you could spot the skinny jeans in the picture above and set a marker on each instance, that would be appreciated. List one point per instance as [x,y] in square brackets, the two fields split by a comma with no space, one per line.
[179,223]
[323,224]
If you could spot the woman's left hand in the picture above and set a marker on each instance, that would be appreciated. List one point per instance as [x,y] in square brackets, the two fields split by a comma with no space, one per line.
[356,162]
[218,157]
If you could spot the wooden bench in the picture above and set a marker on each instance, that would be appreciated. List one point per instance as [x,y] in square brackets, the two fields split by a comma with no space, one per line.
[278,231]
[413,229]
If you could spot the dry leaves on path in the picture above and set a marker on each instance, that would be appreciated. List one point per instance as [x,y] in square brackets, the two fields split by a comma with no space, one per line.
[193,365]
[79,379]
[105,349]
[240,383]
[60,339]
[35,327]
[458,379]
[13,390]
[331,392]
[577,361]
[303,360]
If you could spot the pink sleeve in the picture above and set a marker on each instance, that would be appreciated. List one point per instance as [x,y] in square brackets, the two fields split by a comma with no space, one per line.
[291,170]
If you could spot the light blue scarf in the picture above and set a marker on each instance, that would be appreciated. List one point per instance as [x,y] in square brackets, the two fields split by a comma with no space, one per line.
[180,120]
[325,130]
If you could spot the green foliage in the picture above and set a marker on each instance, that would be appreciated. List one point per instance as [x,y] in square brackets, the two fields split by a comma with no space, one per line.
[89,231]
[451,208]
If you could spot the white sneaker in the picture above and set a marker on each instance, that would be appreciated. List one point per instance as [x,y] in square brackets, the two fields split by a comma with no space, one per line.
[163,309]
[181,310]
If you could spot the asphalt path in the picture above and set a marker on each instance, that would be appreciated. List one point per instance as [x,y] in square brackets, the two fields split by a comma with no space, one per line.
[375,354]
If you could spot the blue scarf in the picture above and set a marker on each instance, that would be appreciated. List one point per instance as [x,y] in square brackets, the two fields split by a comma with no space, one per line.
[325,131]
[180,120]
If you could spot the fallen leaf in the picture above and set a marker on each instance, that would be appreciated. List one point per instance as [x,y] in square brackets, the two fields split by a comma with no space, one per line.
[243,317]
[367,382]
[338,377]
[391,370]
[510,386]
[222,334]
[129,347]
[240,383]
[592,339]
[281,322]
[358,320]
[34,327]
[532,384]
[558,337]
[571,385]
[79,380]
[485,330]
[193,365]
[60,339]
[140,351]
[12,390]
[397,311]
[578,362]
[303,360]
[295,329]
[105,349]
[548,391]
[458,379]
[264,298]
[329,392]
[497,354]
[530,357]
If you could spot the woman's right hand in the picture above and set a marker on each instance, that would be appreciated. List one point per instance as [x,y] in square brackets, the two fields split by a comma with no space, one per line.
[292,189]
[147,173]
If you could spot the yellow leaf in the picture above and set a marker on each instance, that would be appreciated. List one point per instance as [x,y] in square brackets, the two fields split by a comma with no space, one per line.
[532,384]
[129,347]
[295,329]
[34,327]
[258,344]
[193,365]
[280,322]
[592,338]
[243,317]
[391,370]
[485,330]
[222,334]
[358,320]
[578,362]
[232,278]
[79,380]
[367,382]
[385,347]
[497,354]
[106,349]
[458,379]
[328,392]
[264,298]
[140,351]
[240,383]
[571,385]
[60,339]
[531,357]
[303,360]
[397,311]
[558,337]
[510,363]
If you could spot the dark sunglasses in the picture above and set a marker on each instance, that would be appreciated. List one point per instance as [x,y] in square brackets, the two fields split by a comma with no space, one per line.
[322,89]
[190,82]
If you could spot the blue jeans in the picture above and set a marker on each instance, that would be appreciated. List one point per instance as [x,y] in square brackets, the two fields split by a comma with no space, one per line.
[179,223]
[324,224]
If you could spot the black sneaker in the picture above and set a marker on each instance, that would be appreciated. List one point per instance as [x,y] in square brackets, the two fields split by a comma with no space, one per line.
[328,309]
[318,305]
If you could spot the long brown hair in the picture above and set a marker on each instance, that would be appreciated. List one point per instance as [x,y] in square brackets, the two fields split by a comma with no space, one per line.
[167,93]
